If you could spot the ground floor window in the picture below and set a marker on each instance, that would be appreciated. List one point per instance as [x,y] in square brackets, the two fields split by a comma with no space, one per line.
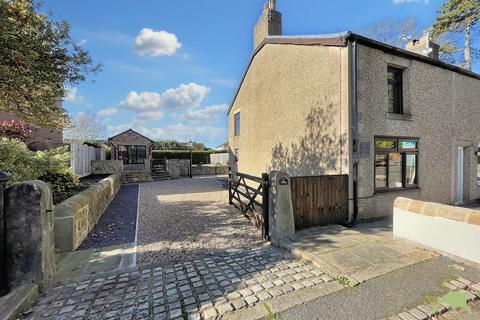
[132,154]
[396,163]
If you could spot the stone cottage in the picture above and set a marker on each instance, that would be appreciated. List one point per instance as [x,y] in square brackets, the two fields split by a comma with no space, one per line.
[398,122]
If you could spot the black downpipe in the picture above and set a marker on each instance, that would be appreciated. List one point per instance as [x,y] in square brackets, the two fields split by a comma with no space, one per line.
[354,113]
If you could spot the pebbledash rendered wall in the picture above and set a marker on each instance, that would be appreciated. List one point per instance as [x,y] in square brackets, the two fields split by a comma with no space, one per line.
[77,215]
[293,108]
[445,113]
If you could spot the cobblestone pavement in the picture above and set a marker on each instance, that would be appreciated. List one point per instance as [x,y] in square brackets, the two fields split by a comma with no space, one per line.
[187,219]
[202,289]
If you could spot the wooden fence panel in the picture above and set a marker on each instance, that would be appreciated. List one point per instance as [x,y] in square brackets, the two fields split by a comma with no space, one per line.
[81,157]
[319,200]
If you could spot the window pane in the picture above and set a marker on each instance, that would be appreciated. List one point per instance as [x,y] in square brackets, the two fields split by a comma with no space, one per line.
[411,169]
[391,99]
[386,144]
[408,144]
[141,154]
[395,170]
[380,171]
[237,124]
[395,90]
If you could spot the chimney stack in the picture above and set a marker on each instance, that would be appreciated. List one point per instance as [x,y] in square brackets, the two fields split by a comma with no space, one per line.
[424,46]
[269,23]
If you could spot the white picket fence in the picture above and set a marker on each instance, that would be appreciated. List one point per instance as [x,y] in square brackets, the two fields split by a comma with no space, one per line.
[82,156]
[221,158]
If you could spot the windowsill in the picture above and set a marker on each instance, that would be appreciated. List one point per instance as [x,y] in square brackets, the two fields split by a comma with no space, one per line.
[381,191]
[399,116]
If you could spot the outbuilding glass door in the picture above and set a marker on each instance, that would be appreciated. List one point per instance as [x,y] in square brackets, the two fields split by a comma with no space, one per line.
[132,154]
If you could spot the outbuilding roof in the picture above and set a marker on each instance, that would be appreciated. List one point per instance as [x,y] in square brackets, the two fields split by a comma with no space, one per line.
[130,131]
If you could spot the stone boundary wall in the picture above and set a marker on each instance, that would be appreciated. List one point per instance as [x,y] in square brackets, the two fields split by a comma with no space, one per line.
[76,216]
[209,170]
[453,230]
[106,166]
[178,167]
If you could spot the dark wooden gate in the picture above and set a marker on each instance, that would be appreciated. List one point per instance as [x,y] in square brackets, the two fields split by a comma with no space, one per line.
[250,195]
[319,200]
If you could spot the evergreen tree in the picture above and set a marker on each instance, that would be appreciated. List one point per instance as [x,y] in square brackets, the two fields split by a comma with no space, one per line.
[459,16]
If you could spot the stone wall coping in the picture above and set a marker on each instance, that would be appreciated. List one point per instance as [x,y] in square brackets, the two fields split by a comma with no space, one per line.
[433,209]
[81,197]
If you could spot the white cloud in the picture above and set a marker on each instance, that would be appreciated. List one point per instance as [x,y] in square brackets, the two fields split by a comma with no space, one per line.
[142,101]
[206,113]
[409,1]
[183,97]
[72,96]
[155,43]
[108,112]
[151,115]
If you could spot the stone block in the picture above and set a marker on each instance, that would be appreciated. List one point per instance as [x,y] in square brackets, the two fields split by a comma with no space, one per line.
[106,166]
[281,220]
[29,234]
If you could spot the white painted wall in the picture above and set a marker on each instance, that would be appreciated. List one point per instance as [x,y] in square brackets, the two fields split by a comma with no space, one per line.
[221,158]
[450,236]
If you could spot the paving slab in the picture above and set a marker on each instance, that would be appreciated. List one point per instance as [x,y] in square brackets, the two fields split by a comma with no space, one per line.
[359,254]
[85,264]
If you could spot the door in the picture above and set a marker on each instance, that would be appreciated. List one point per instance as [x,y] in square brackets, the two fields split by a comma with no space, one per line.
[459,176]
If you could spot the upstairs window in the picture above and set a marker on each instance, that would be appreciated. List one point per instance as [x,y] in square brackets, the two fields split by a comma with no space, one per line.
[395,90]
[237,124]
[396,163]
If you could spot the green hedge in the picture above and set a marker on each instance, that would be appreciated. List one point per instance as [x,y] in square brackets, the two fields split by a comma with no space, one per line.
[199,157]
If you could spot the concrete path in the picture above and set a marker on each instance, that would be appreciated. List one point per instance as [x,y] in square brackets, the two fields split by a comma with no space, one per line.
[388,295]
[359,254]
[186,219]
[85,264]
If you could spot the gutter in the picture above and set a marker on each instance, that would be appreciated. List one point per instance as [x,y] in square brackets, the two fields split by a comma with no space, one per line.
[354,129]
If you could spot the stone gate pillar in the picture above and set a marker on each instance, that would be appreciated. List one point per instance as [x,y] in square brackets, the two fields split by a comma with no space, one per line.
[4,177]
[281,221]
[29,233]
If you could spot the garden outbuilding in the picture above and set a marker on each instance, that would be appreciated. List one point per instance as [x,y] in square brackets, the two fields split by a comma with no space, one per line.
[134,149]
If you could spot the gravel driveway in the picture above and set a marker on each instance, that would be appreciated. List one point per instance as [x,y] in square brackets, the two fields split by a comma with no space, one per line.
[186,219]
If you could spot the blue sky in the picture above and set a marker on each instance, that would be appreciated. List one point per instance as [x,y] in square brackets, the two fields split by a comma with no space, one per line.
[170,67]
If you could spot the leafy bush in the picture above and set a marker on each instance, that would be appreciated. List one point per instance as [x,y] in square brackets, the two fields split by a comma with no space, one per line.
[51,166]
[60,181]
[16,159]
[198,157]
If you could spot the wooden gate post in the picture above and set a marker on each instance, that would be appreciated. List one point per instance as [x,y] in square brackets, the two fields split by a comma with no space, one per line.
[230,176]
[265,202]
